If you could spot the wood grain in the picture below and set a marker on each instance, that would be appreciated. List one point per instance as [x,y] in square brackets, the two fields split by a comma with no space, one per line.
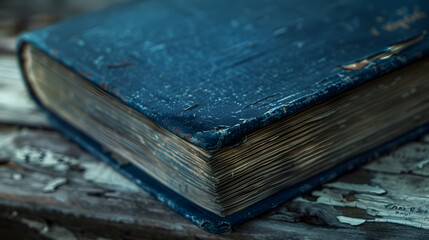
[16,107]
[96,198]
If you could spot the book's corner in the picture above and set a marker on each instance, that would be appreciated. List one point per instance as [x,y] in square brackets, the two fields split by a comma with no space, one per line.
[22,40]
[212,140]
[219,138]
[207,140]
[37,38]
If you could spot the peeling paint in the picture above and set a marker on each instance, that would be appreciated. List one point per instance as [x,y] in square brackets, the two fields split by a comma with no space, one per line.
[91,168]
[54,184]
[221,127]
[411,158]
[392,50]
[361,188]
[405,21]
[17,176]
[350,220]
[44,157]
[391,198]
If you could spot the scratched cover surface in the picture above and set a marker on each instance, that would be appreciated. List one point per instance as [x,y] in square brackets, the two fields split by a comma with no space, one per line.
[234,65]
[212,72]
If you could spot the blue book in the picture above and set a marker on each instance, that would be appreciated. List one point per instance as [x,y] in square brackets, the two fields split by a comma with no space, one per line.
[225,109]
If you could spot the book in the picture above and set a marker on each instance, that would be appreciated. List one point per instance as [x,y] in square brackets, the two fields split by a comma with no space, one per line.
[224,110]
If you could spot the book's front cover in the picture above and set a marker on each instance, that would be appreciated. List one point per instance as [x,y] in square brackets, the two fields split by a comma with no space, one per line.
[212,72]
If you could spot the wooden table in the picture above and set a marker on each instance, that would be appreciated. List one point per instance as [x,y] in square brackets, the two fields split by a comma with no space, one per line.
[52,189]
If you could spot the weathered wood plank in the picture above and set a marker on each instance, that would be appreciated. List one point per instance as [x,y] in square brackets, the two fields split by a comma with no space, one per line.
[95,196]
[16,107]
[16,17]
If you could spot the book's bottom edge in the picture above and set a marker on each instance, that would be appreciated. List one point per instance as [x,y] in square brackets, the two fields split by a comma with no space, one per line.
[209,221]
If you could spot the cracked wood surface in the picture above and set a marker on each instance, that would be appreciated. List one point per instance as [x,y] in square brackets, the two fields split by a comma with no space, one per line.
[95,201]
[52,189]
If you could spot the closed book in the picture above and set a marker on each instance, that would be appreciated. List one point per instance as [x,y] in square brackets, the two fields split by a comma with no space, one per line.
[225,109]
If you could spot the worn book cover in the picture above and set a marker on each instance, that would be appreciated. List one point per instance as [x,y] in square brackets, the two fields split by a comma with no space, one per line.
[219,78]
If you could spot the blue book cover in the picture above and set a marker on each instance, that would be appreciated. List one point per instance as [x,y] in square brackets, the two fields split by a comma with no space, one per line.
[213,72]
